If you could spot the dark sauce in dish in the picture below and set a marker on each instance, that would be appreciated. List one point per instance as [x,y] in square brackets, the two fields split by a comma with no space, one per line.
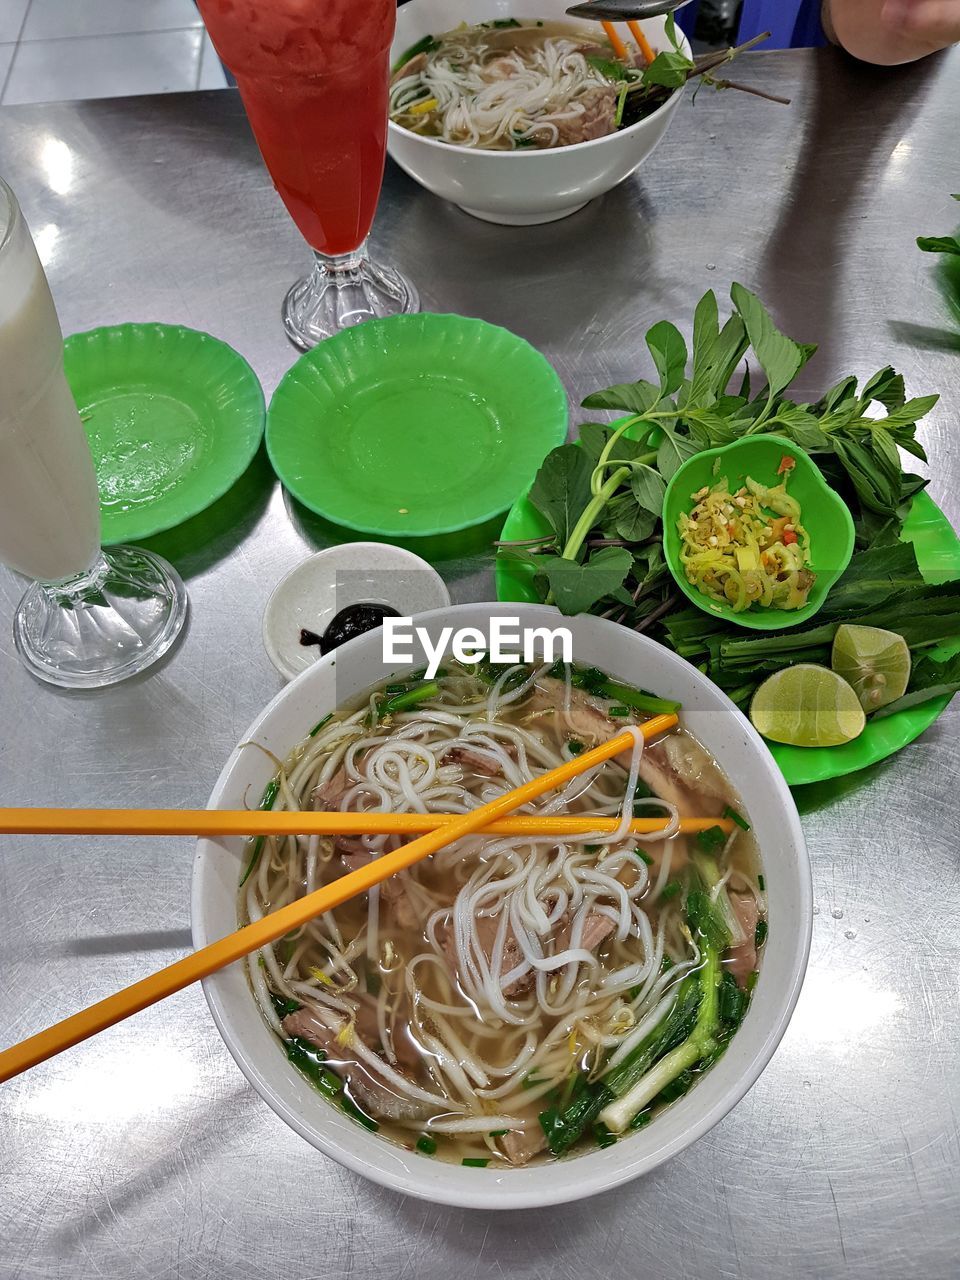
[353,621]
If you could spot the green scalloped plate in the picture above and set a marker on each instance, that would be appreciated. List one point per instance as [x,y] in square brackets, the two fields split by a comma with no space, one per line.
[416,425]
[174,417]
[938,554]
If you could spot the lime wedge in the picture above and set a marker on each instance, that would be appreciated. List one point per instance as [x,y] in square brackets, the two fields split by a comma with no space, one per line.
[876,663]
[807,706]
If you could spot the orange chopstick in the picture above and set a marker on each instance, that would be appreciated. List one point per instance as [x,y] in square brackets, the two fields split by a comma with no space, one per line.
[619,48]
[259,822]
[200,964]
[643,44]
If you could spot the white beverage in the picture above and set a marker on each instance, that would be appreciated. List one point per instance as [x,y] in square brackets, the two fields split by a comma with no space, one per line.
[49,509]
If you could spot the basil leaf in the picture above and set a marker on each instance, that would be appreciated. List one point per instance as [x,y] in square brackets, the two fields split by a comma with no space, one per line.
[939,244]
[673,451]
[670,69]
[561,489]
[608,67]
[669,353]
[632,397]
[576,587]
[648,488]
[910,413]
[887,388]
[780,357]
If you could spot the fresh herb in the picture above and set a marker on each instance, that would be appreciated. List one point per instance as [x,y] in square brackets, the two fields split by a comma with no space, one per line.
[474,1162]
[502,24]
[602,1136]
[610,488]
[574,747]
[641,1119]
[282,1005]
[498,1133]
[760,933]
[267,800]
[592,848]
[618,713]
[644,857]
[928,679]
[608,67]
[319,725]
[351,1109]
[941,244]
[427,1145]
[761,883]
[670,890]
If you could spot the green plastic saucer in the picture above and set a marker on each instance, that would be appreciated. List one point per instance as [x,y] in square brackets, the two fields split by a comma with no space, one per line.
[173,416]
[415,425]
[938,554]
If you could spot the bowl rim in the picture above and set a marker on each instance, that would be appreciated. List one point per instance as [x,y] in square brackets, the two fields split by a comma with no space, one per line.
[765,619]
[457,148]
[523,1188]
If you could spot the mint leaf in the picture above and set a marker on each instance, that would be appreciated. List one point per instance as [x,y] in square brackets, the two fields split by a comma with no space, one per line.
[780,357]
[910,413]
[886,387]
[576,587]
[561,489]
[669,353]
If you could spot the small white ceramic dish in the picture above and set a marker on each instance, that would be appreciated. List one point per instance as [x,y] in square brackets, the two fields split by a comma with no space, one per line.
[719,726]
[519,187]
[313,593]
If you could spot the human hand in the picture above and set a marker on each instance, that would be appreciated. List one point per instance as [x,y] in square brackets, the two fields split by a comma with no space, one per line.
[932,22]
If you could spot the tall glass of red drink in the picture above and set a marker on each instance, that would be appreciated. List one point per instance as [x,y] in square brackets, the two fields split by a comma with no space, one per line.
[314,77]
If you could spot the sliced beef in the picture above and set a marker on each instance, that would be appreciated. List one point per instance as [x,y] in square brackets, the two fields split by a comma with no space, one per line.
[329,793]
[473,760]
[742,960]
[596,120]
[487,927]
[393,890]
[521,1145]
[368,1028]
[587,718]
[596,928]
[370,1090]
[412,67]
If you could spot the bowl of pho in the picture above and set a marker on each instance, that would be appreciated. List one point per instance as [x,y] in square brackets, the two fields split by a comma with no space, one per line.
[522,115]
[517,1020]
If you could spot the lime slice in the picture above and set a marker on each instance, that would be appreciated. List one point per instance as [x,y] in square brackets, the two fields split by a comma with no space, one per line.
[807,706]
[876,663]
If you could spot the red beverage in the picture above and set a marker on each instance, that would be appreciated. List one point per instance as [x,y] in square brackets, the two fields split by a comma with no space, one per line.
[314,77]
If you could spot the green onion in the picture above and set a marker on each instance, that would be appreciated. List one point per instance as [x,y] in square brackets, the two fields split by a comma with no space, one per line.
[618,712]
[644,857]
[760,933]
[592,848]
[266,802]
[409,698]
[738,818]
[426,45]
[427,1145]
[532,1081]
[712,839]
[762,883]
[282,1006]
[373,983]
[502,23]
[641,1119]
[665,964]
[395,688]
[621,102]
[752,980]
[498,1133]
[574,747]
[670,890]
[602,1136]
[319,725]
[732,1001]
[637,699]
[470,1162]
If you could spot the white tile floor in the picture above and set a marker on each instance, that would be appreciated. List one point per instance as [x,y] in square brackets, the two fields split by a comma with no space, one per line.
[56,49]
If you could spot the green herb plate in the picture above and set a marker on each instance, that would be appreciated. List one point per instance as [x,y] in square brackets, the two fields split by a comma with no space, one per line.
[415,425]
[174,418]
[825,517]
[938,554]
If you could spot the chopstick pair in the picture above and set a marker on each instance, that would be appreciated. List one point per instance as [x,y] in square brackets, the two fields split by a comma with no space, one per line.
[208,960]
[620,49]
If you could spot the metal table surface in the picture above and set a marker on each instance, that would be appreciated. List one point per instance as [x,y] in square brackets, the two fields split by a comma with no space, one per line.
[144,1153]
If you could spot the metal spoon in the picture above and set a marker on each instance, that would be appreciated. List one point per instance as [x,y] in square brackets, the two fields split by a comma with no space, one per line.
[624,10]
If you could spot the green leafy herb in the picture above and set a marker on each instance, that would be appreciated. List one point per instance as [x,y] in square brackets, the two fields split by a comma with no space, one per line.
[670,890]
[267,800]
[738,818]
[409,698]
[939,244]
[712,839]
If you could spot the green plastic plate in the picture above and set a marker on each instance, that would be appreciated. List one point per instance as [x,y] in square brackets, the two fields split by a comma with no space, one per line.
[824,514]
[415,425]
[938,553]
[174,418]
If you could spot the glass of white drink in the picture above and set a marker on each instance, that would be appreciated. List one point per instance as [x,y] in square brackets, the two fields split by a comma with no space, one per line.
[90,617]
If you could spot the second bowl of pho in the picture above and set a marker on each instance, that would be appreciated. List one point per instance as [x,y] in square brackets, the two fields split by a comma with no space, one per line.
[521,117]
[518,1020]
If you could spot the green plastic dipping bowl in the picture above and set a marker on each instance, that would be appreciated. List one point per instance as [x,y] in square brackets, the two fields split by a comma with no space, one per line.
[415,425]
[824,515]
[173,416]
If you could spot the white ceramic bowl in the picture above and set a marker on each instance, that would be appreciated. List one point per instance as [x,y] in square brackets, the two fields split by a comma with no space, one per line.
[751,769]
[519,187]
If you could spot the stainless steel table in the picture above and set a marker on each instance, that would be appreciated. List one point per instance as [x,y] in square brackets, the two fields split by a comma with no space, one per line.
[144,1154]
